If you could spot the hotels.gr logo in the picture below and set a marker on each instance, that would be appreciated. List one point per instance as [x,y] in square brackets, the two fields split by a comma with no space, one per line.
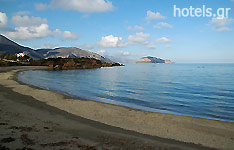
[201,12]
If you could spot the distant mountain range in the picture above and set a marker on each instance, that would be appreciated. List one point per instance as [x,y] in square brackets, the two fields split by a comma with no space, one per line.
[7,46]
[150,59]
[71,52]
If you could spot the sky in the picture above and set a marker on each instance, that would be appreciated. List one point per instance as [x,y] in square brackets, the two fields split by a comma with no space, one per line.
[126,29]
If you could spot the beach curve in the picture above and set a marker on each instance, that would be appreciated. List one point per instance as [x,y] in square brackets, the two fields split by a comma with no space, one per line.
[206,132]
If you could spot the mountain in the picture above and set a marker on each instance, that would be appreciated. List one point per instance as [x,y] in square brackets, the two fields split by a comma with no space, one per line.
[150,59]
[9,47]
[123,60]
[71,52]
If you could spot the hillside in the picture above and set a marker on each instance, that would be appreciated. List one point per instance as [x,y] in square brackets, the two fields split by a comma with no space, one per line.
[71,52]
[7,46]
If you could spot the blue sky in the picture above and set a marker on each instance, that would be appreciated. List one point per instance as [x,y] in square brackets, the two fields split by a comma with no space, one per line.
[128,29]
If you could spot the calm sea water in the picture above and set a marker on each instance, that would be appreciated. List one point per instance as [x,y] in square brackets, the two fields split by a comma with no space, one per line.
[200,90]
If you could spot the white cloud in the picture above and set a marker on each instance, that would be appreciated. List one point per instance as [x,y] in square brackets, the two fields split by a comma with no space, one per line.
[221,24]
[163,40]
[154,15]
[86,46]
[136,27]
[20,13]
[221,21]
[3,20]
[162,25]
[41,6]
[139,38]
[120,54]
[48,46]
[26,21]
[114,56]
[29,28]
[221,29]
[151,46]
[27,33]
[87,6]
[168,46]
[112,41]
[123,53]
[84,16]
[101,52]
[67,35]
[129,28]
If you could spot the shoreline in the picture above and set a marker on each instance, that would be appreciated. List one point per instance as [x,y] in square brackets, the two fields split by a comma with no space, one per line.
[126,107]
[205,132]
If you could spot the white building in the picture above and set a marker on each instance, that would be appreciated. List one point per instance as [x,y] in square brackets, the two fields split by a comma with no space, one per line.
[20,55]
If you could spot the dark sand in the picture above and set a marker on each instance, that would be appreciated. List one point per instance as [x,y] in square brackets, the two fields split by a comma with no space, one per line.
[40,119]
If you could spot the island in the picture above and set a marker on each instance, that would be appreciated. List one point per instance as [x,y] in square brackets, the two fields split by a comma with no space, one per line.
[150,59]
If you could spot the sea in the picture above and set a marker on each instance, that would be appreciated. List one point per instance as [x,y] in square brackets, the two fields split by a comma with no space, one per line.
[198,90]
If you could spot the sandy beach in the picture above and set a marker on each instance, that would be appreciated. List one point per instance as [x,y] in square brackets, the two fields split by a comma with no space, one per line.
[39,119]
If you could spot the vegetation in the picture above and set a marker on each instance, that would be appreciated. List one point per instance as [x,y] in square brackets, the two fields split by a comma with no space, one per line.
[1,56]
[55,63]
[25,58]
[72,63]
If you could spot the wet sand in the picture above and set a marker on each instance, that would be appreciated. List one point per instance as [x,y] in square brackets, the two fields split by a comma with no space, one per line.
[41,119]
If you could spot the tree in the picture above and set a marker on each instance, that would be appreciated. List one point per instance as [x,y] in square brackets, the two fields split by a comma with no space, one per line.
[13,57]
[24,58]
[1,56]
[6,56]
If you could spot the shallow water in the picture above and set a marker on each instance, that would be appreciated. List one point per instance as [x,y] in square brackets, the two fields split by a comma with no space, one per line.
[200,90]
